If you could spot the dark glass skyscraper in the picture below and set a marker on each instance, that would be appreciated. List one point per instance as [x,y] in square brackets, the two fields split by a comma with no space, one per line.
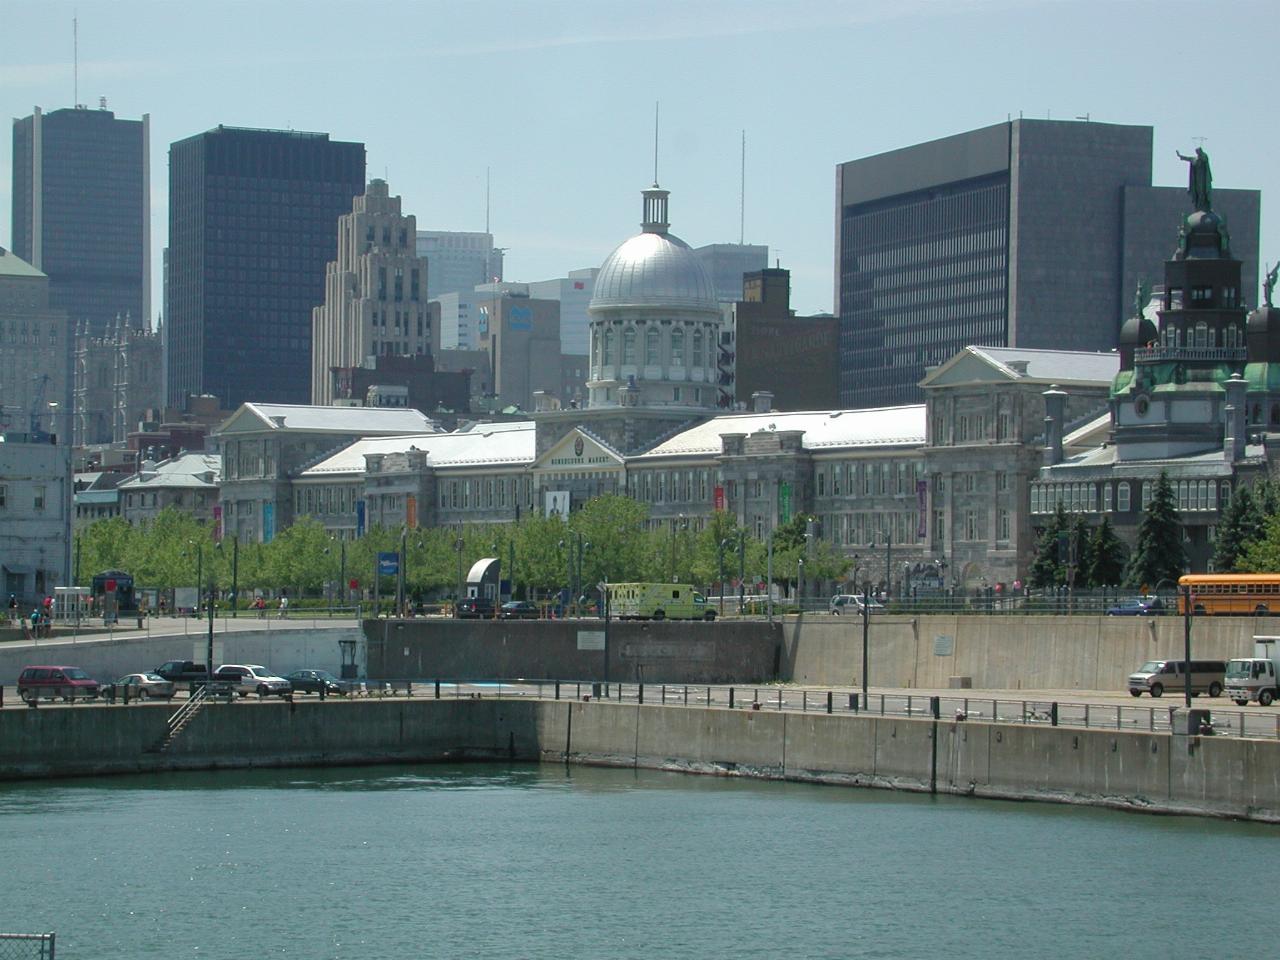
[82,209]
[253,220]
[1031,233]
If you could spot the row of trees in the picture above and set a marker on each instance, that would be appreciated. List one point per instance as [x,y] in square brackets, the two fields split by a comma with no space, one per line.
[1070,550]
[607,539]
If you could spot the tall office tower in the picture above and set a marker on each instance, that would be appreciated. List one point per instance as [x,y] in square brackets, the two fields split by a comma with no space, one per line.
[82,211]
[252,224]
[459,261]
[729,263]
[375,300]
[1031,233]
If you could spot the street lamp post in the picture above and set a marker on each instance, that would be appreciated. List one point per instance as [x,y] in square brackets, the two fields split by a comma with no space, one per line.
[742,571]
[768,574]
[866,631]
[458,545]
[720,555]
[1187,601]
[235,574]
[800,583]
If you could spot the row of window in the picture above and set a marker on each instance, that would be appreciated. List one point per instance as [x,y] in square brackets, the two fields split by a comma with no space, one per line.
[604,348]
[1194,496]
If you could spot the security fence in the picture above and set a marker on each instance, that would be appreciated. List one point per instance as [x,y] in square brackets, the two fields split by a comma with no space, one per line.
[27,946]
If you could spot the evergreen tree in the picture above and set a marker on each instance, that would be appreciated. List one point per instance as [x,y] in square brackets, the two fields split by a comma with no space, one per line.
[1045,569]
[1107,554]
[1081,555]
[1263,555]
[1234,530]
[1159,554]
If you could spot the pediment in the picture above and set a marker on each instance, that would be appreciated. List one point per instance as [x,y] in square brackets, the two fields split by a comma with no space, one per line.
[578,450]
[967,367]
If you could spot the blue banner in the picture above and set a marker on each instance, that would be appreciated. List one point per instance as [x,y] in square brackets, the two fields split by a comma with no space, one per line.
[268,522]
[359,518]
[388,564]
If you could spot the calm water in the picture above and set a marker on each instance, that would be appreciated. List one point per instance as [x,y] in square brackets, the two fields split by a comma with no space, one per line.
[497,861]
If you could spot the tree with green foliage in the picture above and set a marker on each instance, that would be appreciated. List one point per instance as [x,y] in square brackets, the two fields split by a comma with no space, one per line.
[1159,554]
[1263,554]
[1046,571]
[1080,552]
[1238,527]
[1106,556]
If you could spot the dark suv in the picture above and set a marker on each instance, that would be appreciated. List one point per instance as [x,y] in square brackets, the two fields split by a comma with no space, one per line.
[475,608]
[183,671]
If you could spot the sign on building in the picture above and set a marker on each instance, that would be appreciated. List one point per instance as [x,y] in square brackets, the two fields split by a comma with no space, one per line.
[557,504]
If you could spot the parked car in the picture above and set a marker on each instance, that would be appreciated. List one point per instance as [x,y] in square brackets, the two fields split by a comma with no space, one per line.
[140,686]
[1137,607]
[183,671]
[247,678]
[475,608]
[852,604]
[49,683]
[313,681]
[520,610]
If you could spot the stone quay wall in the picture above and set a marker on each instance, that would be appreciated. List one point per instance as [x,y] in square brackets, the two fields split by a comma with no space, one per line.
[1126,770]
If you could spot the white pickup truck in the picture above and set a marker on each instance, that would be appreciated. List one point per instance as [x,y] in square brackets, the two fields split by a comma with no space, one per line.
[1256,678]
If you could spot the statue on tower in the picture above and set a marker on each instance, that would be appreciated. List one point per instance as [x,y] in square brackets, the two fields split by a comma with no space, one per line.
[1269,284]
[1199,179]
[1141,297]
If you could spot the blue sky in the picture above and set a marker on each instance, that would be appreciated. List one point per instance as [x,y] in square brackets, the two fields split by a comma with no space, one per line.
[557,99]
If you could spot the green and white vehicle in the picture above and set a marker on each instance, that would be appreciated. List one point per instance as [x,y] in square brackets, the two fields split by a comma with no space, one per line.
[1256,678]
[658,601]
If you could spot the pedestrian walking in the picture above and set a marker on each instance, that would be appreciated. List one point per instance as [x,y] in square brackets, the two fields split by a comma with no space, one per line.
[261,606]
[284,607]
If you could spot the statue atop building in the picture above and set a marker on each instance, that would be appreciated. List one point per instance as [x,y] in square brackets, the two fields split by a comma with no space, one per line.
[1199,179]
[1269,284]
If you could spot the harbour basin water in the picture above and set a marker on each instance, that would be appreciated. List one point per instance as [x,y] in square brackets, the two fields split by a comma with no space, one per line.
[544,861]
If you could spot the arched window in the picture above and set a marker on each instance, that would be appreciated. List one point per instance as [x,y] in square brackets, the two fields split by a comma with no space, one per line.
[651,354]
[696,360]
[629,346]
[595,348]
[608,348]
[677,348]
[1202,334]
[1122,497]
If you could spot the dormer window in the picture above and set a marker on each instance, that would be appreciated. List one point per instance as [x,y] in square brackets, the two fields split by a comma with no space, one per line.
[1201,295]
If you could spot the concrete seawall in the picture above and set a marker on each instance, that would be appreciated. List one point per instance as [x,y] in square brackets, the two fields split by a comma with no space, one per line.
[282,648]
[639,652]
[1004,652]
[1137,771]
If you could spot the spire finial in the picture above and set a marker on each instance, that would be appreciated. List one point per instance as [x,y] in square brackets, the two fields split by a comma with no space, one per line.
[655,143]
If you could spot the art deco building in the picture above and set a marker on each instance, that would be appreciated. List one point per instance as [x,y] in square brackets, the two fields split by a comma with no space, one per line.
[375,293]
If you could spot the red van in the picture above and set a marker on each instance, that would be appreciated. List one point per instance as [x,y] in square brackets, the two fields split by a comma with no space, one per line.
[53,682]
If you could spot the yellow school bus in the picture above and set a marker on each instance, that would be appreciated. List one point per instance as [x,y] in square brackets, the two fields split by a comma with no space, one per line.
[658,601]
[1248,594]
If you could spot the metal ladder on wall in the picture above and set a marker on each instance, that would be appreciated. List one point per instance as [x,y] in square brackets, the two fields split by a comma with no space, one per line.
[181,717]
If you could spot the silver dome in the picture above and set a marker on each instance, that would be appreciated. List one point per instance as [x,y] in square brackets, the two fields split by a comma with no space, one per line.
[652,270]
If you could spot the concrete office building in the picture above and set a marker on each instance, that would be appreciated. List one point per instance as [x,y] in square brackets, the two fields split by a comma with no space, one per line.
[375,300]
[522,335]
[82,211]
[35,505]
[252,224]
[459,261]
[793,359]
[33,348]
[574,295]
[728,263]
[994,237]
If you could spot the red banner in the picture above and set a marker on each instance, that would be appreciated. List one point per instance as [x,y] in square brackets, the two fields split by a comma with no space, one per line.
[719,497]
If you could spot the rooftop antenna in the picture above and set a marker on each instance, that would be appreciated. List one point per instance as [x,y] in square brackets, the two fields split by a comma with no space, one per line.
[75,61]
[655,143]
[742,194]
[486,199]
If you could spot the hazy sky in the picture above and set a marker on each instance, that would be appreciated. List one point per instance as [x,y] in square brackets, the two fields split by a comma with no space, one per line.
[557,99]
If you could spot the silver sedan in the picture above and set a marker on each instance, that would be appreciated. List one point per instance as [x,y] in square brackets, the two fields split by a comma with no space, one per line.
[140,686]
